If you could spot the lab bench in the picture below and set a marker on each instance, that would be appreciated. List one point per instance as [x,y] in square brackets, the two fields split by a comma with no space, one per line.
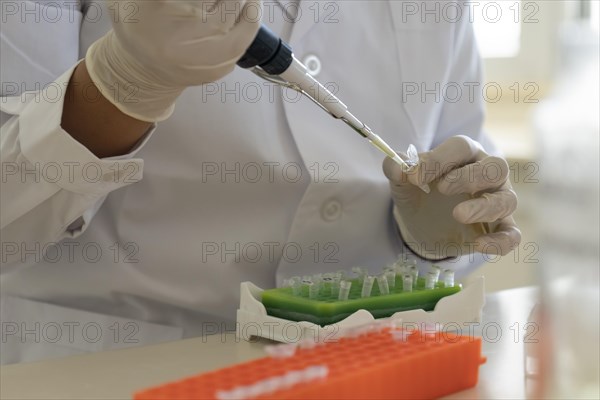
[118,374]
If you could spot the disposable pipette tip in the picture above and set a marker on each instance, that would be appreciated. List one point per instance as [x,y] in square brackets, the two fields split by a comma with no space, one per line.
[384,147]
[398,160]
[405,167]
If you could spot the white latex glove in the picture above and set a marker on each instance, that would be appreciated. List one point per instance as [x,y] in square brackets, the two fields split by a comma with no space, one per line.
[468,186]
[157,48]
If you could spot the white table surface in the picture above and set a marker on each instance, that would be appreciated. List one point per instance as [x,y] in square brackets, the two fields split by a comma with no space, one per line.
[118,374]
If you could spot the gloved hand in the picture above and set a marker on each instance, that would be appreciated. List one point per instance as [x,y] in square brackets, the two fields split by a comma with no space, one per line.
[163,46]
[468,186]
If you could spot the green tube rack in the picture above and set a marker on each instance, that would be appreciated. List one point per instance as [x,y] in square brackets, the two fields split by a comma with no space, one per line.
[326,309]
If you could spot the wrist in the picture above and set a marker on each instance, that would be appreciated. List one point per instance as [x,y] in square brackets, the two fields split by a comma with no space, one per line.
[128,85]
[93,121]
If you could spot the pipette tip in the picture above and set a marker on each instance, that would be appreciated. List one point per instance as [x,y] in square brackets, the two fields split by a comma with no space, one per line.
[399,160]
[405,167]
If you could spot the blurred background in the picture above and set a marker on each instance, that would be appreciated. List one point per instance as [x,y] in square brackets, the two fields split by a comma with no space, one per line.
[544,57]
[541,71]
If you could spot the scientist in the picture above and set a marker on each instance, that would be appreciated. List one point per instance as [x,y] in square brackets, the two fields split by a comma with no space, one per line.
[241,181]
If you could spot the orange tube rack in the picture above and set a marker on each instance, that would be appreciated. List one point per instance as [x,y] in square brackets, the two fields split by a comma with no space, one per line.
[375,363]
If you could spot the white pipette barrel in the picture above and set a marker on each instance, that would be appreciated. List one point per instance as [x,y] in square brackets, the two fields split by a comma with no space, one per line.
[275,57]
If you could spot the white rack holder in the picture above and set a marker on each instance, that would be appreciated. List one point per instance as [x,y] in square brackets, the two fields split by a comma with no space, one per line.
[456,312]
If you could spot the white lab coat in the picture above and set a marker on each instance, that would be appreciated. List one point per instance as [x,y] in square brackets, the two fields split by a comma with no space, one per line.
[241,184]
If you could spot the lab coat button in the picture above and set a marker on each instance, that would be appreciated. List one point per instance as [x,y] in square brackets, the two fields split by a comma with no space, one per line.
[331,210]
[313,64]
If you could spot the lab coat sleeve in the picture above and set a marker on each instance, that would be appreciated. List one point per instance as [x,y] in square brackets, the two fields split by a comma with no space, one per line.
[51,184]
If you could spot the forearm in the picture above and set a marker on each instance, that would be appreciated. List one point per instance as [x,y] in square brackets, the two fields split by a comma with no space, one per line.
[95,122]
[47,193]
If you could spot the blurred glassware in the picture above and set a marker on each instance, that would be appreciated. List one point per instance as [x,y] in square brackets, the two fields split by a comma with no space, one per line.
[568,134]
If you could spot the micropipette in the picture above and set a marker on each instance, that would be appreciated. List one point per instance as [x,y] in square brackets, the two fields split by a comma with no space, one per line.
[272,59]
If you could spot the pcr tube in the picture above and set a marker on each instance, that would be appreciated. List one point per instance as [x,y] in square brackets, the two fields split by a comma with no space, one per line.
[296,284]
[328,278]
[448,278]
[383,284]
[367,286]
[391,278]
[344,290]
[360,273]
[313,289]
[400,267]
[414,272]
[436,269]
[407,282]
[430,280]
[306,283]
[408,264]
[335,285]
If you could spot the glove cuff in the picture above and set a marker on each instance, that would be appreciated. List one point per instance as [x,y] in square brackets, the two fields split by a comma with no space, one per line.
[125,83]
